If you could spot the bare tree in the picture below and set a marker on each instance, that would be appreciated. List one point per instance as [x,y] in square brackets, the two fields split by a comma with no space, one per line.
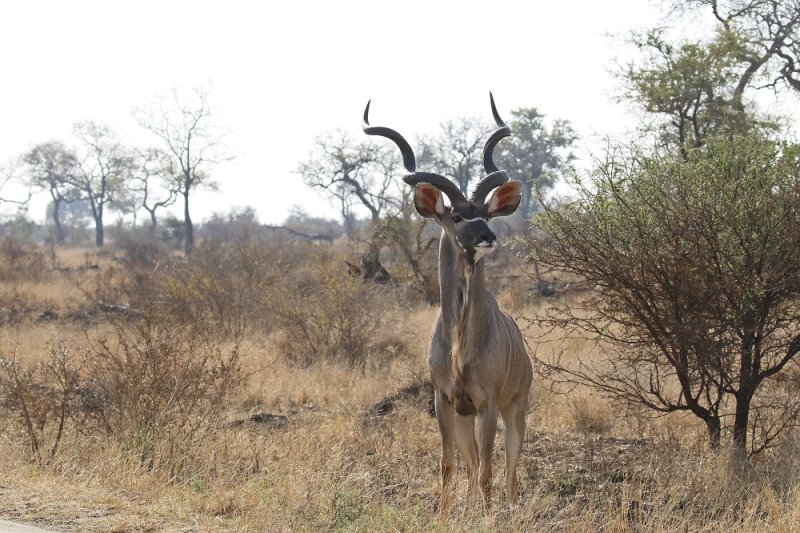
[766,35]
[457,152]
[152,183]
[354,175]
[185,124]
[358,175]
[101,169]
[9,175]
[52,166]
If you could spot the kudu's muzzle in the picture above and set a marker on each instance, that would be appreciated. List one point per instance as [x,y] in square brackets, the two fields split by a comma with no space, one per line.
[477,239]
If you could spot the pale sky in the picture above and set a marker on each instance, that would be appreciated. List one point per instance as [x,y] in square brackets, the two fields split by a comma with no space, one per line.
[283,72]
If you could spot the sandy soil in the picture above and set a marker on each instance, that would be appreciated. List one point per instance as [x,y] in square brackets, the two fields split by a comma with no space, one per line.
[14,527]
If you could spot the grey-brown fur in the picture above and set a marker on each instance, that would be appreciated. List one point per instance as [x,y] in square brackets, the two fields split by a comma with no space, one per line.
[479,366]
[476,375]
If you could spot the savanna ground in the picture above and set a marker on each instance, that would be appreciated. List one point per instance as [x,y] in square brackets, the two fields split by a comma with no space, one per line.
[141,392]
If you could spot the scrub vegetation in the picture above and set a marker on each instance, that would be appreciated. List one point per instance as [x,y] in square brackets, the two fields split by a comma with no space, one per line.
[168,411]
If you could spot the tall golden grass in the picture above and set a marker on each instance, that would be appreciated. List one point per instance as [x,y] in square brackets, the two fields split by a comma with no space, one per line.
[297,447]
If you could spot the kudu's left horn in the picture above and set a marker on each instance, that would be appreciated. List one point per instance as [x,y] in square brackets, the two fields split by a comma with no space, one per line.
[495,177]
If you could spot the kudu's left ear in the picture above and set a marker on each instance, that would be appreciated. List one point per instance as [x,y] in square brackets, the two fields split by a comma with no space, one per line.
[505,199]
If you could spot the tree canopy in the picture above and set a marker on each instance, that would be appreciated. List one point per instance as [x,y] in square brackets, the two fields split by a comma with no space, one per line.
[535,154]
[696,268]
[696,88]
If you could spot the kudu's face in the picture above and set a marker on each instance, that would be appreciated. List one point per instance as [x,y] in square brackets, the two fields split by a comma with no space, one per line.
[466,223]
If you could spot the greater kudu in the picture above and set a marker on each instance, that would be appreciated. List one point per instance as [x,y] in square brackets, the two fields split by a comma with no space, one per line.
[478,362]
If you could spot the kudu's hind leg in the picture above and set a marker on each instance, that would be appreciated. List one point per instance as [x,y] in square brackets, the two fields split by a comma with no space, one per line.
[445,416]
[514,420]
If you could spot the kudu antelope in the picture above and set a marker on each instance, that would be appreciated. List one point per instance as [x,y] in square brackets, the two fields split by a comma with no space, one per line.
[478,362]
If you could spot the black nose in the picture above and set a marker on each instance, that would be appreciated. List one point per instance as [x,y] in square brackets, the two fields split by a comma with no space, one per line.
[486,237]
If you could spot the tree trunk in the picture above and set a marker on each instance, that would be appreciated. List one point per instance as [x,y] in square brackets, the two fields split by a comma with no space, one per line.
[60,235]
[371,267]
[713,426]
[741,418]
[187,222]
[153,222]
[99,234]
[527,199]
[746,384]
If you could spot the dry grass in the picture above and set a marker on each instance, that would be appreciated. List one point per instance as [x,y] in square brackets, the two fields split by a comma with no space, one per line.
[295,449]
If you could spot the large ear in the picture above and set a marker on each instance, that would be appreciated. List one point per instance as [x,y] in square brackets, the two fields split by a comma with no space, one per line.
[505,199]
[428,200]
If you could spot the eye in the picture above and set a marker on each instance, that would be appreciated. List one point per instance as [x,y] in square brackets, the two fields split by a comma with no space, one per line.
[456,218]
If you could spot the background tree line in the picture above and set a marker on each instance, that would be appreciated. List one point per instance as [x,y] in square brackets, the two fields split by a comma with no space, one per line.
[99,170]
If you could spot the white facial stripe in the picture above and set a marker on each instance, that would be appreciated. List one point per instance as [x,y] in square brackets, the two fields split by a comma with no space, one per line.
[470,219]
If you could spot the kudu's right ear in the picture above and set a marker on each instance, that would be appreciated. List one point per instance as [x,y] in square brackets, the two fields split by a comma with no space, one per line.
[428,201]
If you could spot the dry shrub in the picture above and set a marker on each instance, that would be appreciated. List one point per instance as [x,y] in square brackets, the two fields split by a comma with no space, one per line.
[154,386]
[97,277]
[16,307]
[101,286]
[125,275]
[590,415]
[20,261]
[513,283]
[42,397]
[224,283]
[140,252]
[159,385]
[327,315]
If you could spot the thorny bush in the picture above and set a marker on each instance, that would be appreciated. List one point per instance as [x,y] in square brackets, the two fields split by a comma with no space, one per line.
[327,315]
[20,261]
[159,385]
[43,397]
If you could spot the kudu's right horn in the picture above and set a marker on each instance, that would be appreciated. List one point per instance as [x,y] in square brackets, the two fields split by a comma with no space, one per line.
[409,162]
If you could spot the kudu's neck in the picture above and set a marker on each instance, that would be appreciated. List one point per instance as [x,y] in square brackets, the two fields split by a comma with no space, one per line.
[462,289]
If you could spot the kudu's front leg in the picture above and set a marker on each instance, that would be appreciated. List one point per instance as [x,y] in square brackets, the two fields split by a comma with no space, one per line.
[487,428]
[465,440]
[445,416]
